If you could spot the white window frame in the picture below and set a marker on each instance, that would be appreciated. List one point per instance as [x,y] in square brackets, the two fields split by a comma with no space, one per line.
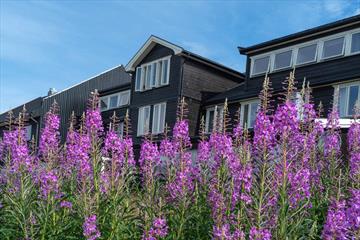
[216,109]
[350,45]
[158,124]
[347,86]
[144,86]
[291,60]
[119,95]
[259,57]
[242,109]
[296,53]
[330,39]
[319,50]
[141,121]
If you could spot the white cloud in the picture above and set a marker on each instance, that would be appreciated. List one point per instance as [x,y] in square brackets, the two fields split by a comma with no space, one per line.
[336,7]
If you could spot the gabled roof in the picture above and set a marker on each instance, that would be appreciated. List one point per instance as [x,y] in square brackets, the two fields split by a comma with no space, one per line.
[153,40]
[312,32]
[33,108]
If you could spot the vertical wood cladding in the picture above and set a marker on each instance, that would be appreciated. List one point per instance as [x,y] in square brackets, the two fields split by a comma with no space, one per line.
[168,93]
[76,98]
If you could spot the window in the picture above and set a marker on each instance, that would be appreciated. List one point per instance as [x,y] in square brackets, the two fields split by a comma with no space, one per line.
[333,48]
[115,100]
[248,113]
[152,75]
[261,65]
[306,54]
[119,129]
[282,60]
[28,132]
[143,121]
[355,43]
[104,103]
[212,114]
[124,98]
[299,103]
[349,95]
[158,123]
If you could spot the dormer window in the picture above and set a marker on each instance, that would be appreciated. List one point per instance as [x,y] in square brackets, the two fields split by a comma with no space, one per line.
[282,60]
[355,43]
[115,100]
[261,65]
[306,54]
[152,75]
[333,48]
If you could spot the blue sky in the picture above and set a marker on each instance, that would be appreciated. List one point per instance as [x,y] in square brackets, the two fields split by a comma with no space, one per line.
[57,44]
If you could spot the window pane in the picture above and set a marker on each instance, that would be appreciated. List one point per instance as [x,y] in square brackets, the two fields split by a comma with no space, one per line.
[153,75]
[138,79]
[148,77]
[28,132]
[306,54]
[355,42]
[124,98]
[146,120]
[283,60]
[210,121]
[103,104]
[353,97]
[253,111]
[119,129]
[159,73]
[155,123]
[165,72]
[261,65]
[342,102]
[113,101]
[246,115]
[333,47]
[162,117]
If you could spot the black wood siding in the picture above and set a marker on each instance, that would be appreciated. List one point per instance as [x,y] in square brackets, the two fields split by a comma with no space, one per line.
[76,98]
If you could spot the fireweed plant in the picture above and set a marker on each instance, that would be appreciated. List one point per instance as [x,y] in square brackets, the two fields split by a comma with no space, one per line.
[290,177]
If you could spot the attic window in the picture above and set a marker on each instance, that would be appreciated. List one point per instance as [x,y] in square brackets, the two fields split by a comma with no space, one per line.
[306,54]
[355,42]
[261,65]
[115,100]
[152,75]
[283,60]
[333,48]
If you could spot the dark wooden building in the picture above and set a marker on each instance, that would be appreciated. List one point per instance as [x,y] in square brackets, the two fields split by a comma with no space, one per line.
[162,73]
[328,57]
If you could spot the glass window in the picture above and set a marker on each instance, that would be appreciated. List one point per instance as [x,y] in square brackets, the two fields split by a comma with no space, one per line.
[333,47]
[165,74]
[355,42]
[349,95]
[159,118]
[138,79]
[28,132]
[113,101]
[148,77]
[104,103]
[124,98]
[283,60]
[261,65]
[210,118]
[306,54]
[143,120]
[119,129]
[248,113]
[153,75]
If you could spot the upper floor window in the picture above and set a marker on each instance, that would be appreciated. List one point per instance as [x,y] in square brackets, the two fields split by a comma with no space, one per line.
[159,114]
[152,75]
[213,116]
[355,42]
[349,95]
[333,48]
[248,111]
[28,129]
[115,100]
[306,54]
[261,65]
[282,60]
[329,47]
[143,120]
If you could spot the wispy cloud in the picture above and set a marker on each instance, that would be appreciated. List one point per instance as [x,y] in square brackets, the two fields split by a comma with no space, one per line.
[198,48]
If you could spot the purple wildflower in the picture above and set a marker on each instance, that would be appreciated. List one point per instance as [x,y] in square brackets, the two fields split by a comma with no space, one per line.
[336,223]
[90,230]
[66,204]
[353,213]
[49,139]
[158,230]
[49,183]
[259,234]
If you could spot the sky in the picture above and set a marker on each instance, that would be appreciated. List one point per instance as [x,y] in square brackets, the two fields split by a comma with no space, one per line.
[56,44]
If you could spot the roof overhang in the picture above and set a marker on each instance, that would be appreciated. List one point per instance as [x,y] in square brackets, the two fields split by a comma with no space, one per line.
[147,47]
